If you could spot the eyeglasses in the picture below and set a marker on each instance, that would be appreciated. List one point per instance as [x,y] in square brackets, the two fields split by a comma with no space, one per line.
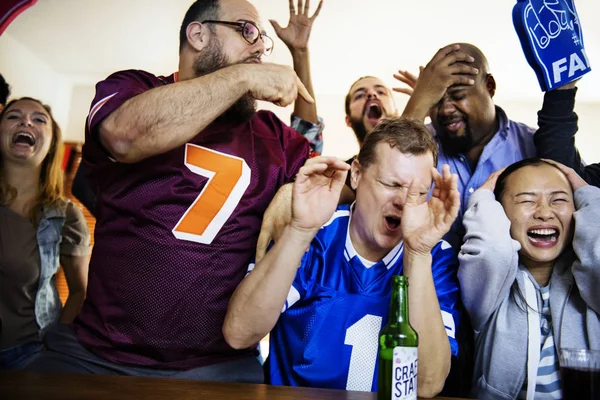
[249,31]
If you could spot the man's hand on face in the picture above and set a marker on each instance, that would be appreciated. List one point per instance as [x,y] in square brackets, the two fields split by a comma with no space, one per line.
[296,34]
[447,68]
[277,84]
[425,223]
[316,192]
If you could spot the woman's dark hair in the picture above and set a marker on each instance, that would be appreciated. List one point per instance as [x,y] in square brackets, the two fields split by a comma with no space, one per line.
[528,162]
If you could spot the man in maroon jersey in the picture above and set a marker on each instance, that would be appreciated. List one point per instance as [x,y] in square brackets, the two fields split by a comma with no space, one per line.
[184,168]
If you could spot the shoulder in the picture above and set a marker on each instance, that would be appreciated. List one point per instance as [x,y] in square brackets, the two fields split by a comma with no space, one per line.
[443,254]
[269,118]
[128,80]
[513,127]
[74,218]
[335,229]
[521,129]
[133,74]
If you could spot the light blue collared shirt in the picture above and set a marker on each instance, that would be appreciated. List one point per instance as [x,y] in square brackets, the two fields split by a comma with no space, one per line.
[513,142]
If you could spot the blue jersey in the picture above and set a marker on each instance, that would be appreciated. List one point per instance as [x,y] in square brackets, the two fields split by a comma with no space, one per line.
[328,333]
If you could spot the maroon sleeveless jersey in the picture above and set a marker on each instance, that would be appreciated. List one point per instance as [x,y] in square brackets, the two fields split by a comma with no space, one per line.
[175,233]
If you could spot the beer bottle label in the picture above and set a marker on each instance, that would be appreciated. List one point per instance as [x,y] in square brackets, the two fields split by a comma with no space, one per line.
[404,373]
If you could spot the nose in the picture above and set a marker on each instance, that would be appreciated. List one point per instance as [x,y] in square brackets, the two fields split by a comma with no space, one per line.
[447,106]
[544,212]
[26,120]
[400,198]
[372,94]
[258,47]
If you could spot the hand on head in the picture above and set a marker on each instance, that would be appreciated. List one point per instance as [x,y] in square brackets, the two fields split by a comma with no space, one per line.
[448,67]
[490,183]
[575,180]
[424,224]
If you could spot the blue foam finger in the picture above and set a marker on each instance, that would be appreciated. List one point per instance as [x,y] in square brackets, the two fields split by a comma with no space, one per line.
[552,40]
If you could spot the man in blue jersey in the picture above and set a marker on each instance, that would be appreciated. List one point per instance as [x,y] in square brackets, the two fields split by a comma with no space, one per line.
[325,285]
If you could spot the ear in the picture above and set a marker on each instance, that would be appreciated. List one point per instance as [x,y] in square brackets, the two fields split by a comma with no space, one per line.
[490,84]
[355,173]
[197,35]
[348,124]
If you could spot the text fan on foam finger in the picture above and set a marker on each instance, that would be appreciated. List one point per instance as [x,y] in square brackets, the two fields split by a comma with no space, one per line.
[552,40]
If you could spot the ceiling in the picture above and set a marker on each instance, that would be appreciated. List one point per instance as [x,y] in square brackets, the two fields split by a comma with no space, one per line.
[88,39]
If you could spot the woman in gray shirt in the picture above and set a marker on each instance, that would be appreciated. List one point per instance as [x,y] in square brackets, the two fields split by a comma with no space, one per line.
[38,229]
[529,275]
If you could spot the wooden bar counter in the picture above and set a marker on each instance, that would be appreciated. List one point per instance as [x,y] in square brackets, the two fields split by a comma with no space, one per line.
[19,385]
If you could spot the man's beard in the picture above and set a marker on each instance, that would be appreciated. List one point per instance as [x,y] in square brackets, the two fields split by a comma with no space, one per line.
[358,126]
[212,59]
[454,145]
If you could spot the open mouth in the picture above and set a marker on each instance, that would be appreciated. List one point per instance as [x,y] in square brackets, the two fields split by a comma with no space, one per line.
[454,125]
[24,138]
[543,237]
[392,223]
[374,112]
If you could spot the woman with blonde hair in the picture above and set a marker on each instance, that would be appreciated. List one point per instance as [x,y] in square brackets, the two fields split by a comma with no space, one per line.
[39,229]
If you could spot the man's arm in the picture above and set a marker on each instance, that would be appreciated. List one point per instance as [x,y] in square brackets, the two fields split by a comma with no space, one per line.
[555,137]
[257,302]
[74,259]
[423,225]
[166,117]
[426,318]
[295,36]
[279,214]
[76,274]
[489,256]
[303,109]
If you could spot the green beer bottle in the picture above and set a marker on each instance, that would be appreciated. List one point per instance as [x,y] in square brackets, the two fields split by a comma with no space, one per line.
[398,343]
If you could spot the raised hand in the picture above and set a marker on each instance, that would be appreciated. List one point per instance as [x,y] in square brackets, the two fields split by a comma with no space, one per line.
[316,192]
[275,83]
[296,34]
[424,224]
[407,78]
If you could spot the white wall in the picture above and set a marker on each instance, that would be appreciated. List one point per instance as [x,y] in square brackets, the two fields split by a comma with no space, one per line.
[30,76]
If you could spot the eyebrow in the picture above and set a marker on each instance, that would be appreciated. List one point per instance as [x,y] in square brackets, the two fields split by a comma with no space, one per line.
[18,111]
[525,194]
[397,182]
[362,89]
[535,194]
[457,88]
[260,28]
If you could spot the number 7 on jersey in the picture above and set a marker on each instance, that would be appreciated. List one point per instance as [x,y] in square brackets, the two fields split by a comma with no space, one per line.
[228,178]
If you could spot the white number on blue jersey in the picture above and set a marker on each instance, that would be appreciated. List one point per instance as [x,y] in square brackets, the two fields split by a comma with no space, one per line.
[363,336]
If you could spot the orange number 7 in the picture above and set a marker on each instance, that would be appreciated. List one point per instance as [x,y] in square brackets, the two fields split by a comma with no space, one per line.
[228,178]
